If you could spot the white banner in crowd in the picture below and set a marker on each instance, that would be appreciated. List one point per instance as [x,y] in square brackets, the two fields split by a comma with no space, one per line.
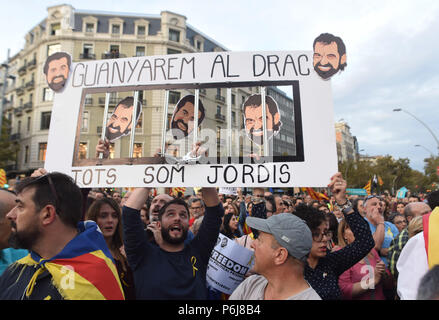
[242,144]
[228,264]
[228,191]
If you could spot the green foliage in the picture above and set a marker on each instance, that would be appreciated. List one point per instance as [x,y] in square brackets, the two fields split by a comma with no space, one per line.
[8,149]
[394,174]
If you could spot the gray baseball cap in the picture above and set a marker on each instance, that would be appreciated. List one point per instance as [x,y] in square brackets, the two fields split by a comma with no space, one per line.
[290,232]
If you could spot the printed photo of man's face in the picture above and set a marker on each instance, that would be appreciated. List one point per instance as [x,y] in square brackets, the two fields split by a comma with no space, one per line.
[329,55]
[56,69]
[253,120]
[120,123]
[182,122]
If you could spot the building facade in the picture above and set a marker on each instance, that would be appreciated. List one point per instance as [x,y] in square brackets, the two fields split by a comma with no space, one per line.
[88,35]
[347,145]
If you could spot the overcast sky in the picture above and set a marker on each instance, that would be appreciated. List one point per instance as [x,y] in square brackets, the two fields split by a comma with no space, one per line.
[392,54]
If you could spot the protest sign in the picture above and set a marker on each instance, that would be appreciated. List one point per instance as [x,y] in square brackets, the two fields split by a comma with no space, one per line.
[228,264]
[233,142]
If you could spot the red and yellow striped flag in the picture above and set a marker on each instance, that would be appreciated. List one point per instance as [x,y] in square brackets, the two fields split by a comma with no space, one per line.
[175,191]
[368,187]
[431,236]
[2,178]
[315,195]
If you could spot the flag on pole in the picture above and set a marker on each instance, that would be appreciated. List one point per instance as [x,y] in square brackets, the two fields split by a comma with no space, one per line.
[2,178]
[380,181]
[315,195]
[368,187]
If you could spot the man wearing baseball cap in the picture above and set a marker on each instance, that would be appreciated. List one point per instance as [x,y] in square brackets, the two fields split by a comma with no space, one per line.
[281,249]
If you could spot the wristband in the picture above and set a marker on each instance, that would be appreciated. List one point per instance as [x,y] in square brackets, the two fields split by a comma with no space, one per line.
[344,206]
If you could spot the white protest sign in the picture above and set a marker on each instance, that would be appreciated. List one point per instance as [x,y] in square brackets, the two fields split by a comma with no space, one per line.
[235,147]
[228,191]
[228,264]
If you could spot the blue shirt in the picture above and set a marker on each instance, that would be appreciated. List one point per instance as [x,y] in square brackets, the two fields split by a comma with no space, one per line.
[390,232]
[8,256]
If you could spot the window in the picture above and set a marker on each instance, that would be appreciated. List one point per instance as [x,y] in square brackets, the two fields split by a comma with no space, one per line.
[141,30]
[28,124]
[111,156]
[19,126]
[114,51]
[53,48]
[174,35]
[26,154]
[233,117]
[173,51]
[87,50]
[140,51]
[218,109]
[85,120]
[54,29]
[115,28]
[174,97]
[47,94]
[89,27]
[137,150]
[45,120]
[198,44]
[233,99]
[82,154]
[42,147]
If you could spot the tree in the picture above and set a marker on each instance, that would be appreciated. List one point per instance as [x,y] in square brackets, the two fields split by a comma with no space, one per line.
[8,149]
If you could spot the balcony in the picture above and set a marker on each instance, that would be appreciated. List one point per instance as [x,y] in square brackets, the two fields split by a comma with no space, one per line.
[27,107]
[113,55]
[22,70]
[18,111]
[112,101]
[85,55]
[20,91]
[30,85]
[32,64]
[15,137]
[220,117]
[88,101]
[220,98]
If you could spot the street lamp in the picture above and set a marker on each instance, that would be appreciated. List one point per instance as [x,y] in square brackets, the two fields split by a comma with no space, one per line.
[418,145]
[434,136]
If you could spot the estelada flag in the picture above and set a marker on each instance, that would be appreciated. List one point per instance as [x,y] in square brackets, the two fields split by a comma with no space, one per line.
[2,178]
[380,181]
[368,187]
[431,236]
[89,260]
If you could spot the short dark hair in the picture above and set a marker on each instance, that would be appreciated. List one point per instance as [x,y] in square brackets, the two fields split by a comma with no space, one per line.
[272,201]
[69,195]
[433,199]
[328,38]
[256,101]
[56,56]
[178,201]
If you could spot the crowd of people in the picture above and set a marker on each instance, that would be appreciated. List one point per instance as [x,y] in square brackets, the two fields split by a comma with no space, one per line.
[62,242]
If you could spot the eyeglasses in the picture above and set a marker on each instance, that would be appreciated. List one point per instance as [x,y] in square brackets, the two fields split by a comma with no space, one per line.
[52,189]
[318,236]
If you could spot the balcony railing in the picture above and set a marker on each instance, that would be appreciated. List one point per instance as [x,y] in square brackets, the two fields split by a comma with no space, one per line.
[28,106]
[18,111]
[88,101]
[84,55]
[22,70]
[112,101]
[220,117]
[220,98]
[113,55]
[15,136]
[32,64]
[20,90]
[30,85]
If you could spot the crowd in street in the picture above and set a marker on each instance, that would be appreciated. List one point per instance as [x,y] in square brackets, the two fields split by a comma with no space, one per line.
[58,241]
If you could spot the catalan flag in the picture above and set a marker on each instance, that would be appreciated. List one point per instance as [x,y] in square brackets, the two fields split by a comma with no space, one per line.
[88,260]
[315,195]
[368,187]
[175,191]
[2,178]
[431,236]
